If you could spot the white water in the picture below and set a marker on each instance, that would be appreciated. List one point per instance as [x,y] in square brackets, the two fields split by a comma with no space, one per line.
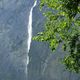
[30,30]
[30,26]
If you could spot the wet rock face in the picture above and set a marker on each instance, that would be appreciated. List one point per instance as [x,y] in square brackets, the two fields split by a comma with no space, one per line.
[44,64]
[13,37]
[13,46]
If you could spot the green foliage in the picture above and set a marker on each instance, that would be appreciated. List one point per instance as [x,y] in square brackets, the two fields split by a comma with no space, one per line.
[62,26]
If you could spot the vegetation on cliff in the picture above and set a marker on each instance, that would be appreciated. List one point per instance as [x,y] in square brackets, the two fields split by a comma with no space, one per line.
[62,26]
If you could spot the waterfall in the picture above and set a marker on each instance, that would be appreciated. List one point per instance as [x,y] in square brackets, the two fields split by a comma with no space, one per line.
[30,30]
[30,26]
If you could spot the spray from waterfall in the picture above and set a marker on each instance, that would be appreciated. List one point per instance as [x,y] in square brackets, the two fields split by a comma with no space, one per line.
[30,30]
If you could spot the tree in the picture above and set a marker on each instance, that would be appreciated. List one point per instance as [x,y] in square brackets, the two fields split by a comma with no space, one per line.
[62,26]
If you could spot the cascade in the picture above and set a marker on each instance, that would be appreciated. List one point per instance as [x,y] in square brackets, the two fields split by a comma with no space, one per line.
[30,30]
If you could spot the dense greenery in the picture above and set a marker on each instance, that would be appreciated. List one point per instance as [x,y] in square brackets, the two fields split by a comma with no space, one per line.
[62,26]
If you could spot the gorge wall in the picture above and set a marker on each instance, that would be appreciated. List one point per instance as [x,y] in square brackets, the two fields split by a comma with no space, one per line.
[43,65]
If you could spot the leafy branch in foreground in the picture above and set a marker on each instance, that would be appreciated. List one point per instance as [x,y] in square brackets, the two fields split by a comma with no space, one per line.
[62,25]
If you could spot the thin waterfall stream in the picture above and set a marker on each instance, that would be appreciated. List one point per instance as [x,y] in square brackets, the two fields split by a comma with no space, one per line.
[30,30]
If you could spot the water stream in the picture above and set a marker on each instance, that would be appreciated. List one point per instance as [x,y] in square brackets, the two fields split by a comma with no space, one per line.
[30,30]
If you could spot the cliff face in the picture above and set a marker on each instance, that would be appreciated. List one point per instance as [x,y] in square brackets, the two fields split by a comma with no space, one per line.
[13,38]
[44,64]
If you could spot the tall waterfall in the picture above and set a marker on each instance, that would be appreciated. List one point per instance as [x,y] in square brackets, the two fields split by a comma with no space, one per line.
[30,26]
[30,30]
